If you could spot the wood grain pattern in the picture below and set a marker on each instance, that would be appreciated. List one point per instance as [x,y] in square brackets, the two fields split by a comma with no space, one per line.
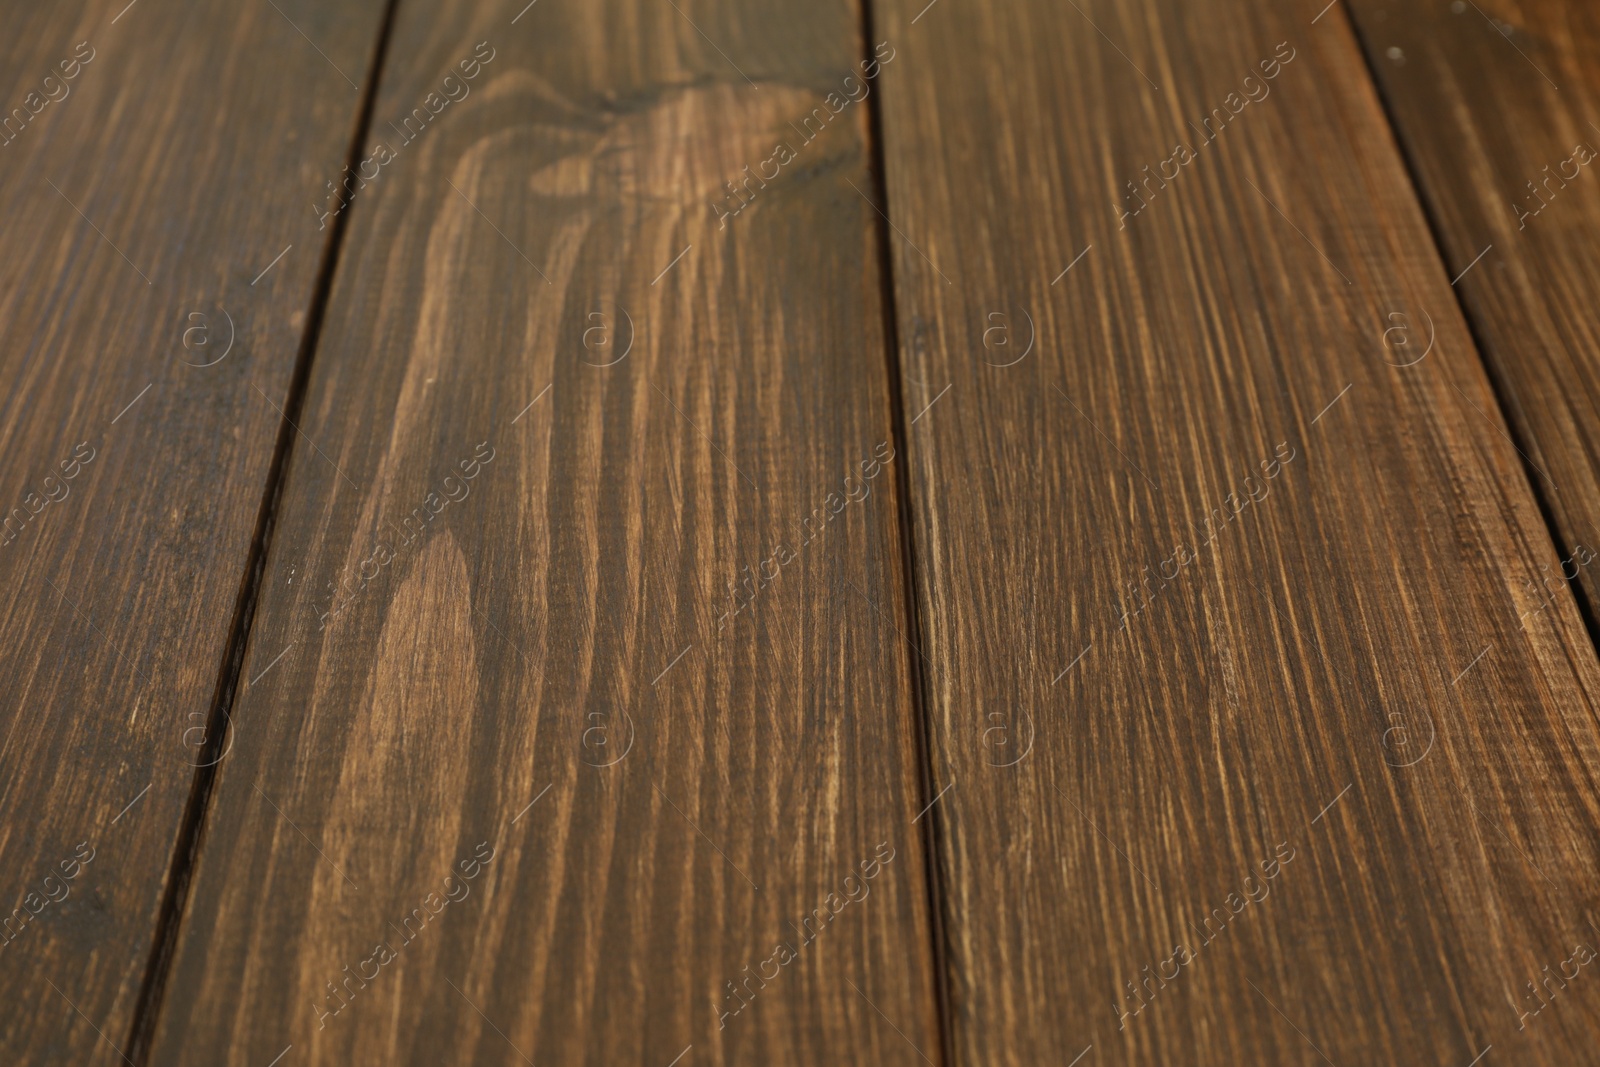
[1496,109]
[512,780]
[154,159]
[1222,609]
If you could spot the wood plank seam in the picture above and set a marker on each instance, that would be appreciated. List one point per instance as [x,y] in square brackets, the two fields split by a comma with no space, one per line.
[931,835]
[168,168]
[190,838]
[1539,486]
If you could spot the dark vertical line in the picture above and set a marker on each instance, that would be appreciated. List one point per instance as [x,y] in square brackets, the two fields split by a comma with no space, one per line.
[186,850]
[932,830]
[1501,389]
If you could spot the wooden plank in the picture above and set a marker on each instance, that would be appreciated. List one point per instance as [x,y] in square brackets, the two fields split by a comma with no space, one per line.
[155,159]
[560,405]
[1496,112]
[1252,759]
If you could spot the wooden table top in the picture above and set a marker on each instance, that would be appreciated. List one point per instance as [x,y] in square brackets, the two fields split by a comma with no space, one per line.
[683,532]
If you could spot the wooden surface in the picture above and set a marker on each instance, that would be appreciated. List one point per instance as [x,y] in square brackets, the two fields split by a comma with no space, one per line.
[157,173]
[1181,753]
[565,609]
[1485,103]
[798,534]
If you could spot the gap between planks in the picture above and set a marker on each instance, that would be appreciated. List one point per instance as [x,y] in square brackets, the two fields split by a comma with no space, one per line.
[186,849]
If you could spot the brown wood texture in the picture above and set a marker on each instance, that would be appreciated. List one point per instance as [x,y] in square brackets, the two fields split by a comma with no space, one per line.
[561,411]
[1249,757]
[1496,108]
[154,159]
